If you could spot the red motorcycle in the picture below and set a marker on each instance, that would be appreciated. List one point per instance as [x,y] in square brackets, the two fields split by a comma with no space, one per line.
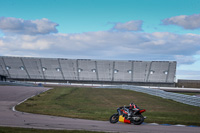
[136,116]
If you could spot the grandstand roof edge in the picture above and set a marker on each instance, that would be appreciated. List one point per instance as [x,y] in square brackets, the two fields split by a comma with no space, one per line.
[86,59]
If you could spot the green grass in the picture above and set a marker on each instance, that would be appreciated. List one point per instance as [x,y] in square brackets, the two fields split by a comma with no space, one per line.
[30,130]
[100,104]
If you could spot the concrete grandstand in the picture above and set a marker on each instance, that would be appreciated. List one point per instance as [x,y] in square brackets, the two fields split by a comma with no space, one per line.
[157,73]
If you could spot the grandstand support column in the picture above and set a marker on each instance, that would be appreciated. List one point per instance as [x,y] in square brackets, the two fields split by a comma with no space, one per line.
[168,72]
[61,69]
[4,73]
[147,77]
[132,67]
[25,68]
[42,69]
[1,68]
[6,69]
[77,68]
[175,73]
[113,70]
[97,74]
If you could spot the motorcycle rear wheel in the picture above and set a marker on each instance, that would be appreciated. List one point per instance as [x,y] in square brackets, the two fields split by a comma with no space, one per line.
[138,122]
[114,118]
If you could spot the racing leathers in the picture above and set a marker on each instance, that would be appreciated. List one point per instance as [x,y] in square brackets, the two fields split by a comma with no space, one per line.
[127,111]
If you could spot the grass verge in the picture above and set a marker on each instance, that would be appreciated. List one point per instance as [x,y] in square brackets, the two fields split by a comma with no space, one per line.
[30,130]
[100,104]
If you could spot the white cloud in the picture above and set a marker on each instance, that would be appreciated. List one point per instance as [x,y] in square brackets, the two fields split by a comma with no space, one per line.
[105,44]
[129,26]
[30,27]
[1,43]
[37,45]
[188,74]
[186,21]
[184,59]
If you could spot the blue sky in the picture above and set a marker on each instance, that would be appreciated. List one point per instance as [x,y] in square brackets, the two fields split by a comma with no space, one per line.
[104,29]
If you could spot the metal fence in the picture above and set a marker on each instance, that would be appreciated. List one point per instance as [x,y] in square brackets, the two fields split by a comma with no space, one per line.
[186,99]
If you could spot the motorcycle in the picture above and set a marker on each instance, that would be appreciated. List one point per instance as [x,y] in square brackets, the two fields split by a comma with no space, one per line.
[136,116]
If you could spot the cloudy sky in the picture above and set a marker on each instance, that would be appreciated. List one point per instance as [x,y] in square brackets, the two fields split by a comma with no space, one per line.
[149,30]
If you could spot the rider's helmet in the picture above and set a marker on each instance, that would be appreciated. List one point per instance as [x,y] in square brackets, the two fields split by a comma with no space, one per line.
[131,104]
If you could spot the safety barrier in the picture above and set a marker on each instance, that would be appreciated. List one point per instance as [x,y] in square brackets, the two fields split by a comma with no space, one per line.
[186,99]
[18,83]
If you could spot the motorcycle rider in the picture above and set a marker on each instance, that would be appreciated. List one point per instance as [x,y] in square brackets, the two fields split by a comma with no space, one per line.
[128,109]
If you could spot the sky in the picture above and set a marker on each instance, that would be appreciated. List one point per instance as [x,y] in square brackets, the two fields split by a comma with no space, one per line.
[145,30]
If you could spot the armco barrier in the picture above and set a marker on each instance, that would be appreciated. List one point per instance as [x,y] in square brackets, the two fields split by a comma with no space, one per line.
[186,99]
[17,83]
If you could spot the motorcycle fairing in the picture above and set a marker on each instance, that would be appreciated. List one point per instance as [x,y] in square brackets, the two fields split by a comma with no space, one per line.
[124,112]
[142,110]
[124,120]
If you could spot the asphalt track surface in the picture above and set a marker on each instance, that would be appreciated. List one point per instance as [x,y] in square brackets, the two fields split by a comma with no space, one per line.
[12,95]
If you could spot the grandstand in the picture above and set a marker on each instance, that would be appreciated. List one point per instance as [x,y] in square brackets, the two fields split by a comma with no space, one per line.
[159,73]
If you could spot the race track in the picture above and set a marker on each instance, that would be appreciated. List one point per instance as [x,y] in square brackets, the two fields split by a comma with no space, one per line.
[12,95]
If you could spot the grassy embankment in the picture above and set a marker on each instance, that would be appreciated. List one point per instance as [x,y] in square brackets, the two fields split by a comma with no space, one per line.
[100,104]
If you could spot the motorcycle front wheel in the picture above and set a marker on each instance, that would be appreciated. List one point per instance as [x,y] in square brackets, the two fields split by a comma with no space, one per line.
[137,119]
[114,118]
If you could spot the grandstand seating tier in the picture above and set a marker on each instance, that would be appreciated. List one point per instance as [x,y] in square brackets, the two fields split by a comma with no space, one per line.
[87,70]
